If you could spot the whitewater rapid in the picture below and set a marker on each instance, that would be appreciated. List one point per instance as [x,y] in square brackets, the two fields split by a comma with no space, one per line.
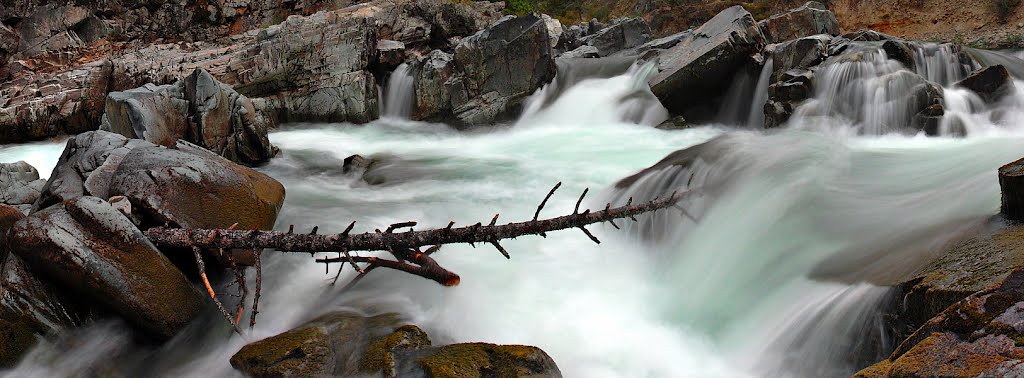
[772,277]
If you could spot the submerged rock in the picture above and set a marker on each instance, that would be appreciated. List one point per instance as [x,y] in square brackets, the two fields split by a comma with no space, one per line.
[692,71]
[89,247]
[810,19]
[489,75]
[198,109]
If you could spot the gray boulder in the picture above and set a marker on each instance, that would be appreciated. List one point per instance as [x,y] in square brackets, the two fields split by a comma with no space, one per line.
[693,70]
[88,246]
[622,34]
[198,109]
[810,19]
[488,76]
[19,184]
[785,95]
[804,52]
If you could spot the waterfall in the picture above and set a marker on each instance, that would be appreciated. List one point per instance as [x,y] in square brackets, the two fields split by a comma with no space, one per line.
[400,93]
[756,117]
[940,63]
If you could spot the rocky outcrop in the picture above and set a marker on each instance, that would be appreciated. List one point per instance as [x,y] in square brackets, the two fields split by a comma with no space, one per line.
[198,109]
[20,185]
[488,76]
[8,43]
[810,19]
[977,336]
[692,71]
[784,96]
[39,105]
[347,344]
[88,246]
[990,83]
[803,53]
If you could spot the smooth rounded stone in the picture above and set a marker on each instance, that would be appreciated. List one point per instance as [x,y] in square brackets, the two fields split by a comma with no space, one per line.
[190,187]
[330,345]
[19,183]
[383,355]
[692,71]
[810,19]
[990,83]
[89,247]
[486,360]
[197,109]
[1011,185]
[974,337]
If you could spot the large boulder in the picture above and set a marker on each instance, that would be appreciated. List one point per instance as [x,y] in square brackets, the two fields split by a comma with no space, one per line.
[784,96]
[183,185]
[348,344]
[488,76]
[198,109]
[20,185]
[692,71]
[88,246]
[990,83]
[805,52]
[622,34]
[975,337]
[810,19]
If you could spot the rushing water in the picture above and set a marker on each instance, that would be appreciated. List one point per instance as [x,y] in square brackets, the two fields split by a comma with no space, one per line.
[400,95]
[769,272]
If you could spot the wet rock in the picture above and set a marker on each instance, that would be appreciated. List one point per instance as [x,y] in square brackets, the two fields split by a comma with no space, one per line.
[19,183]
[977,336]
[900,51]
[571,38]
[198,109]
[794,87]
[1011,184]
[810,19]
[929,120]
[804,52]
[88,246]
[347,344]
[990,83]
[692,71]
[392,53]
[622,34]
[486,360]
[488,76]
[330,345]
[357,163]
[581,52]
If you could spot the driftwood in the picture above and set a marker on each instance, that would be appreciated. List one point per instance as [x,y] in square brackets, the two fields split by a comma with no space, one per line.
[406,247]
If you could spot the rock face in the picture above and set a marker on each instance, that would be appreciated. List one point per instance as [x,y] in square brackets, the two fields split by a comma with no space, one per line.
[693,70]
[804,53]
[810,19]
[990,83]
[198,109]
[19,184]
[347,344]
[977,336]
[8,43]
[180,185]
[88,246]
[489,74]
[39,105]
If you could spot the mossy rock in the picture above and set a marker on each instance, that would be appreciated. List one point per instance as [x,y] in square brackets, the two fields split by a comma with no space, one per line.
[330,345]
[380,355]
[488,360]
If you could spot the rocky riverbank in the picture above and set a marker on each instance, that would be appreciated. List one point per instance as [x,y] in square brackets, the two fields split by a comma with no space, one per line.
[164,132]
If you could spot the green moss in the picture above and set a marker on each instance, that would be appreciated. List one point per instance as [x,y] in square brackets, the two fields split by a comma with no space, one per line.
[294,351]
